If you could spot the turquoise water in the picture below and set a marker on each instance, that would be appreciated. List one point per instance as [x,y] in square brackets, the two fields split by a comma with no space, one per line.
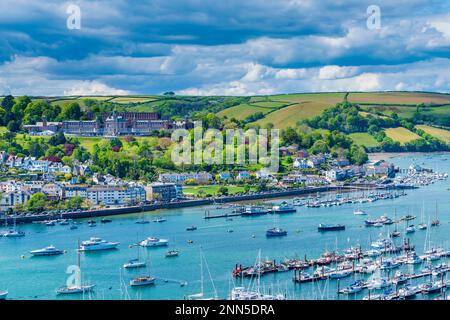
[38,277]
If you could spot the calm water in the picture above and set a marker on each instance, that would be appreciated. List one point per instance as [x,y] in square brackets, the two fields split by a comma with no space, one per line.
[37,277]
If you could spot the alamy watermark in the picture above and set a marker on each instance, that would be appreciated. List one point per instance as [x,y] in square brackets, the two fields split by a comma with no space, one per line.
[74,280]
[73,21]
[231,146]
[373,21]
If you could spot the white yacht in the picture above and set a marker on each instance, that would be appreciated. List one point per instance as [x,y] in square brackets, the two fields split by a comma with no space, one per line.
[3,295]
[153,242]
[14,234]
[75,289]
[135,263]
[359,212]
[48,251]
[240,293]
[96,244]
[142,281]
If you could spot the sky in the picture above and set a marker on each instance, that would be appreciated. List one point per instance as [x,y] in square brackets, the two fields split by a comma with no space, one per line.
[232,47]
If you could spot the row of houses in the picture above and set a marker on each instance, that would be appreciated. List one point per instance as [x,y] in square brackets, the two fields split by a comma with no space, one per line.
[13,193]
[372,168]
[201,177]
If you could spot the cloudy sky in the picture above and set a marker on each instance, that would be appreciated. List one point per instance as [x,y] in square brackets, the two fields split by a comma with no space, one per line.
[231,47]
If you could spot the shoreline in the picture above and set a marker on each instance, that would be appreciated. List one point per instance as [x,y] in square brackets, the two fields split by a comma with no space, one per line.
[183,204]
[389,155]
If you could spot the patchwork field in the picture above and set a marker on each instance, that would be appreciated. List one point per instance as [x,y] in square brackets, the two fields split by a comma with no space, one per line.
[401,135]
[289,116]
[441,134]
[125,100]
[242,111]
[399,97]
[364,139]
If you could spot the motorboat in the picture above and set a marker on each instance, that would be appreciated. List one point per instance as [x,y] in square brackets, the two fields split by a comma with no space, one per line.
[354,287]
[142,281]
[390,264]
[134,263]
[407,292]
[97,244]
[276,232]
[359,212]
[240,293]
[153,242]
[105,220]
[414,259]
[379,283]
[191,228]
[159,220]
[172,253]
[48,251]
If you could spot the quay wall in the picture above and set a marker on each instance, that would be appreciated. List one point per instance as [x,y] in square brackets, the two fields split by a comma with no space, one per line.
[180,204]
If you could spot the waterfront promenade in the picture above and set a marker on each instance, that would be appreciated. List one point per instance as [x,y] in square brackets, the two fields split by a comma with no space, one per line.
[188,203]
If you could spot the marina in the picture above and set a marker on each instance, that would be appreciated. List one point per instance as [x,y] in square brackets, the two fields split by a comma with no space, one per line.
[327,265]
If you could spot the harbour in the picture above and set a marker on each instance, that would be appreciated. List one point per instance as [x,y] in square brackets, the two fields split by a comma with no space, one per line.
[303,245]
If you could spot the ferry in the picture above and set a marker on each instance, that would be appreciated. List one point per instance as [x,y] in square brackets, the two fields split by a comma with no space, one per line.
[97,244]
[276,232]
[135,263]
[3,295]
[283,208]
[153,242]
[142,281]
[330,227]
[48,251]
[254,211]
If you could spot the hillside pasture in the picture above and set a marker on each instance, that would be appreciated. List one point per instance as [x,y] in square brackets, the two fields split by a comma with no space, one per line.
[441,134]
[401,134]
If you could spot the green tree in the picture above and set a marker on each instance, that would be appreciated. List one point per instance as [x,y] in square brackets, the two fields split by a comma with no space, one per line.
[37,202]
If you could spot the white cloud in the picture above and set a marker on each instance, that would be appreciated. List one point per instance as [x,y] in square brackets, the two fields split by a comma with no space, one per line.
[85,88]
[337,72]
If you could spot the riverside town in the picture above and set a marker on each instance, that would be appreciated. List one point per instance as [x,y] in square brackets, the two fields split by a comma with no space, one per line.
[269,152]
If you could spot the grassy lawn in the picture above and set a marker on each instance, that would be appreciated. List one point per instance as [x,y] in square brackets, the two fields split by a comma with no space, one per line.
[441,134]
[401,135]
[211,189]
[364,139]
